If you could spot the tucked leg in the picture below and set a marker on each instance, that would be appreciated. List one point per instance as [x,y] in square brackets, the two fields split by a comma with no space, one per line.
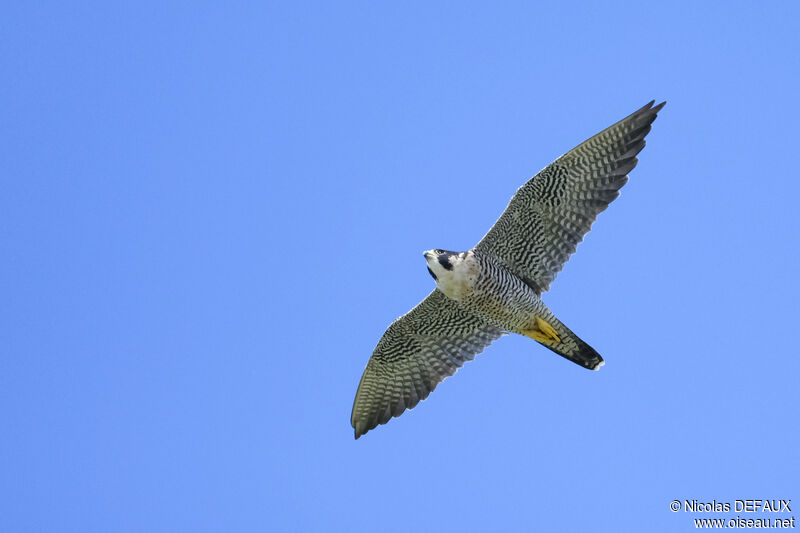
[542,332]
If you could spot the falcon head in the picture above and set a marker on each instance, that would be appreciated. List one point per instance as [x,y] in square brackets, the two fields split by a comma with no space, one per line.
[451,270]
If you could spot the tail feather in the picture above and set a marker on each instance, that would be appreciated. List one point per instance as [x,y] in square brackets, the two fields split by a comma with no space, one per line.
[570,346]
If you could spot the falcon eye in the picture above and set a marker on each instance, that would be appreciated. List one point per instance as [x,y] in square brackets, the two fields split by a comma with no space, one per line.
[432,274]
[445,262]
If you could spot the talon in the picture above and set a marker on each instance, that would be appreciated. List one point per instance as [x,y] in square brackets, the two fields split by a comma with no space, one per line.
[547,329]
[545,333]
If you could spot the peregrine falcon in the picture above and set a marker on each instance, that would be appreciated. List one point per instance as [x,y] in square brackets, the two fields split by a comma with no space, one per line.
[496,287]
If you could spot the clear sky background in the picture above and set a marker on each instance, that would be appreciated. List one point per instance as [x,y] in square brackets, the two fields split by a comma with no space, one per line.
[210,214]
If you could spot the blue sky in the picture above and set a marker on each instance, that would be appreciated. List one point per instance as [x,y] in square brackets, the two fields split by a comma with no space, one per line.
[211,213]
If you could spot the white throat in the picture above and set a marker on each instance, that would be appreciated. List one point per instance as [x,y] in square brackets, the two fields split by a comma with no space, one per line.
[458,281]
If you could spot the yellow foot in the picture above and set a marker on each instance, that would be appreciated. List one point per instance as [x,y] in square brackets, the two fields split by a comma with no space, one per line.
[543,332]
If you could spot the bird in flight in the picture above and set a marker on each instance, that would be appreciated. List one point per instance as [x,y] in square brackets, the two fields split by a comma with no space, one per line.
[496,287]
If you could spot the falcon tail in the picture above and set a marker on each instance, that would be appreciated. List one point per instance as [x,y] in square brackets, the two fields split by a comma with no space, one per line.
[551,333]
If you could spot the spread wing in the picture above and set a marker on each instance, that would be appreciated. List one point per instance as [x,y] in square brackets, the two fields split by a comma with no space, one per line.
[416,352]
[549,215]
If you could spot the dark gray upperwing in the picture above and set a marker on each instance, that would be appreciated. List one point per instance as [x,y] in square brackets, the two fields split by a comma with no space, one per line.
[550,214]
[416,352]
